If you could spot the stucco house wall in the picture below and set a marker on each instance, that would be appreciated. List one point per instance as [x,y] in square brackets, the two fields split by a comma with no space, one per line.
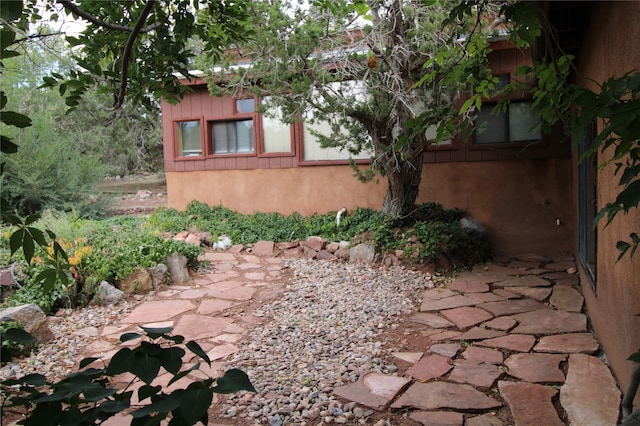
[610,49]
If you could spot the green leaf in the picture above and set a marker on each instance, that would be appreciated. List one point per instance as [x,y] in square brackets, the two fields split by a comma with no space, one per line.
[147,391]
[45,414]
[195,348]
[34,379]
[12,118]
[7,146]
[18,335]
[129,336]
[171,359]
[232,381]
[121,362]
[635,357]
[15,241]
[11,10]
[145,366]
[112,407]
[195,402]
[27,247]
[97,393]
[87,361]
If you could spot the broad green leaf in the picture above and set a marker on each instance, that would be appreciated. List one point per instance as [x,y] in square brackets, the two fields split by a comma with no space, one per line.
[34,379]
[195,402]
[197,350]
[129,336]
[45,414]
[15,241]
[147,391]
[12,118]
[87,361]
[171,359]
[7,146]
[11,10]
[114,406]
[145,366]
[232,381]
[97,393]
[635,357]
[121,362]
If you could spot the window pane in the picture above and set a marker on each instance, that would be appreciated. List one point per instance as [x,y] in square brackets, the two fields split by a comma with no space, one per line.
[491,128]
[245,105]
[277,135]
[232,137]
[522,117]
[244,135]
[188,135]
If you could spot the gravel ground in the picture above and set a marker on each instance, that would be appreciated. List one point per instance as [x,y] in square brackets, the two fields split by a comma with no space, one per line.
[322,334]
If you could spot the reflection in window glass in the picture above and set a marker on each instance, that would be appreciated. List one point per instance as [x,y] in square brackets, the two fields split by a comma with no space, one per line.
[277,135]
[245,105]
[522,119]
[188,136]
[232,137]
[491,127]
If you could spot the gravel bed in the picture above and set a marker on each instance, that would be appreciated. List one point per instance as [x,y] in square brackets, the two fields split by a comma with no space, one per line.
[73,331]
[322,334]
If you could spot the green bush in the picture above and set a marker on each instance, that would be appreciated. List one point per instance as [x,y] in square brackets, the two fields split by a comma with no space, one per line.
[48,172]
[32,291]
[14,341]
[452,241]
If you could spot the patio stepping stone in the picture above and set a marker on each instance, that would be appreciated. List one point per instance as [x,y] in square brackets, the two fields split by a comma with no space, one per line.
[436,395]
[212,306]
[535,293]
[441,304]
[486,297]
[487,355]
[484,420]
[448,350]
[410,357]
[531,404]
[536,368]
[467,316]
[566,298]
[222,351]
[432,320]
[468,286]
[237,293]
[479,333]
[512,342]
[524,281]
[549,321]
[589,394]
[158,310]
[567,343]
[440,418]
[374,390]
[511,307]
[430,367]
[478,374]
[196,327]
[501,323]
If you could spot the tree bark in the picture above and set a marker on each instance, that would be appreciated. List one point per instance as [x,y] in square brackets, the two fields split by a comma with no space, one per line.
[403,176]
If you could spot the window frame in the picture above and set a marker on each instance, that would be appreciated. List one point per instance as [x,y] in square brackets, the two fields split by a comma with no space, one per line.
[177,154]
[294,129]
[490,105]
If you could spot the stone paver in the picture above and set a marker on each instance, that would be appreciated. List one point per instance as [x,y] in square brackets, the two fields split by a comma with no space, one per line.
[550,322]
[465,317]
[536,368]
[567,343]
[531,404]
[373,390]
[435,395]
[430,367]
[158,310]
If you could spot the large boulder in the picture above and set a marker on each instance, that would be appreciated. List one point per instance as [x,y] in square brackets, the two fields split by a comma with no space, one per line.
[106,295]
[178,271]
[31,317]
[139,281]
[158,275]
[363,253]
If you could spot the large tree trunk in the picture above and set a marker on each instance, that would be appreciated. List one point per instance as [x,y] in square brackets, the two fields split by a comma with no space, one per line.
[404,176]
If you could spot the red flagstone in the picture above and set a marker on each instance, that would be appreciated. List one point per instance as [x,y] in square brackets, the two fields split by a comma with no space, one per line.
[444,335]
[248,266]
[478,374]
[490,356]
[222,351]
[512,342]
[195,327]
[487,297]
[479,333]
[550,322]
[449,350]
[238,293]
[195,293]
[483,420]
[535,293]
[525,281]
[501,323]
[373,390]
[536,368]
[465,317]
[215,256]
[410,357]
[561,266]
[212,306]
[568,343]
[430,367]
[249,258]
[566,298]
[589,394]
[505,294]
[531,404]
[263,248]
[256,276]
[436,395]
[438,418]
[157,310]
[432,320]
[468,286]
[510,307]
[446,303]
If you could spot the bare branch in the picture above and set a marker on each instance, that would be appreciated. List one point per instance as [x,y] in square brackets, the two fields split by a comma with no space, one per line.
[73,8]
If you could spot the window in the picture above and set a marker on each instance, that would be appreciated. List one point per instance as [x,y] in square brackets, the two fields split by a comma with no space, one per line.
[188,136]
[276,133]
[232,137]
[518,123]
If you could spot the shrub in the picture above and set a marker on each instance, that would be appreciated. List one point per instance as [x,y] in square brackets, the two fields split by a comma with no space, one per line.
[14,341]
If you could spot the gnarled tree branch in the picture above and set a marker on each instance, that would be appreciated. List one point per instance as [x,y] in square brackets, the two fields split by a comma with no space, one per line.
[73,8]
